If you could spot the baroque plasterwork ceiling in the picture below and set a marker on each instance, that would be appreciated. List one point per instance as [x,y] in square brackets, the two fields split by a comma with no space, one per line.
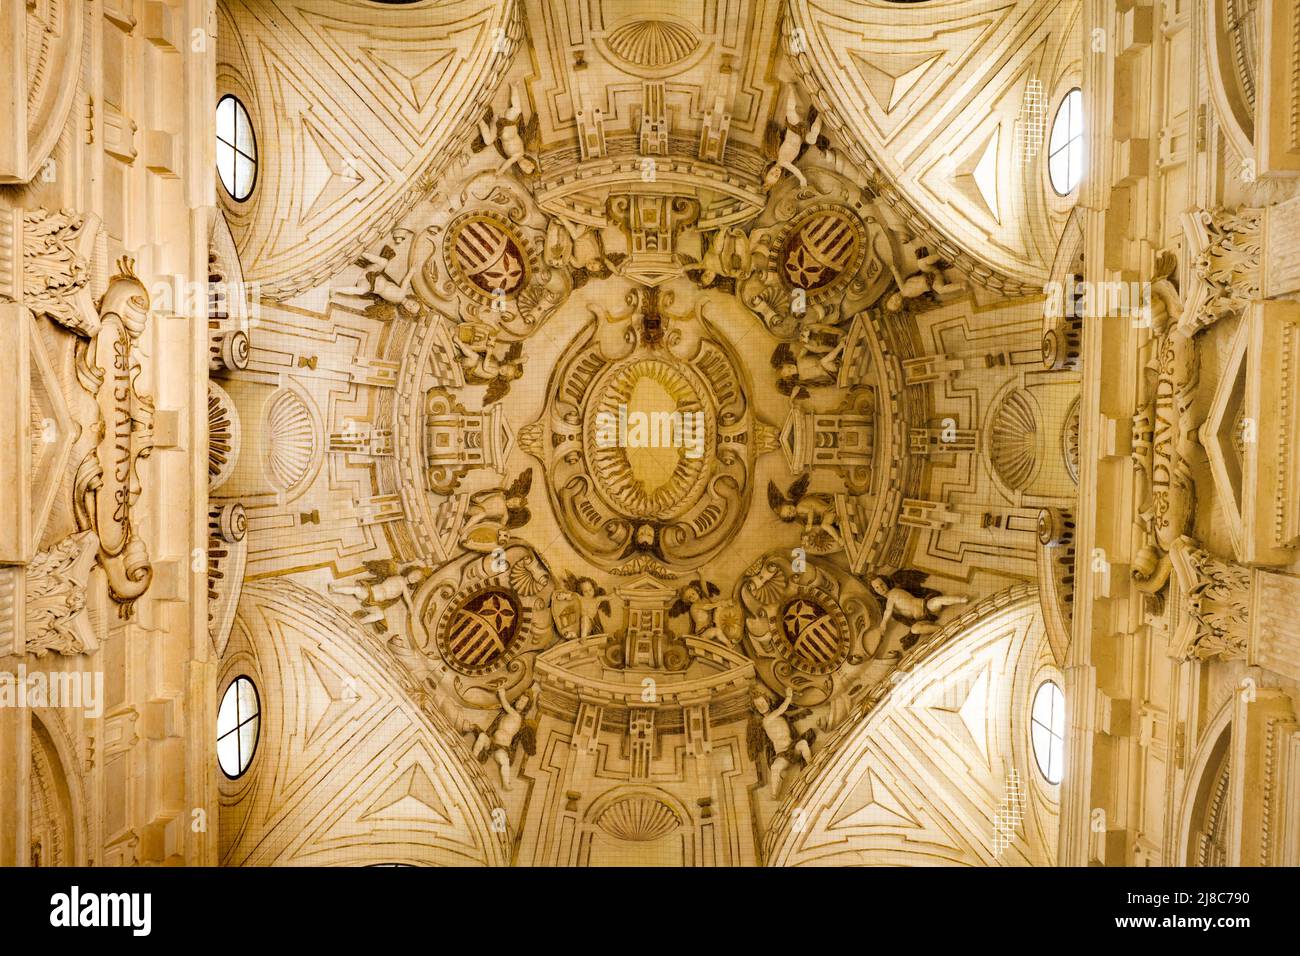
[646,437]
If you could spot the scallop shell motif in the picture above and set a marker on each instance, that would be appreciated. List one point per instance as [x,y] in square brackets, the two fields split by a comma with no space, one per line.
[639,819]
[652,43]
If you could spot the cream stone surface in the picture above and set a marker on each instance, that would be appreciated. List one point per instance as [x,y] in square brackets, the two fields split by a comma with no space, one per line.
[674,433]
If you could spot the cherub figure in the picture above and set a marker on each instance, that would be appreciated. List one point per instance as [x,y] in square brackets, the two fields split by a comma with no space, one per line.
[712,618]
[824,343]
[786,145]
[591,601]
[816,512]
[386,583]
[389,274]
[509,731]
[514,138]
[772,737]
[575,247]
[906,599]
[499,509]
[931,279]
[728,256]
[817,363]
[486,360]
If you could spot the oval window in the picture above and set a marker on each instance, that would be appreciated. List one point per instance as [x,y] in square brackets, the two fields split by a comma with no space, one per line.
[1047,731]
[236,148]
[238,724]
[1065,147]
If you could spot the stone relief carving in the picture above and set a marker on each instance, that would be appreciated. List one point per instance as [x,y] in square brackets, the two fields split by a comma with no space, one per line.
[785,145]
[482,619]
[509,732]
[1215,602]
[773,739]
[56,269]
[515,138]
[57,249]
[1164,434]
[909,601]
[385,583]
[107,480]
[56,612]
[1223,249]
[584,342]
[649,441]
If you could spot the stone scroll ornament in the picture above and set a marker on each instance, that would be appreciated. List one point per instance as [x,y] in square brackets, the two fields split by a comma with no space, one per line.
[1164,435]
[107,483]
[494,260]
[649,439]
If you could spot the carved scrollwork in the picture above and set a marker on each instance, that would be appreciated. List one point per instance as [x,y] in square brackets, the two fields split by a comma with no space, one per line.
[107,481]
[649,441]
[483,619]
[1164,445]
[811,627]
[486,259]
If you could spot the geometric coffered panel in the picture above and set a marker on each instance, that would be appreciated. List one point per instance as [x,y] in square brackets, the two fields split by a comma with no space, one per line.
[356,114]
[925,97]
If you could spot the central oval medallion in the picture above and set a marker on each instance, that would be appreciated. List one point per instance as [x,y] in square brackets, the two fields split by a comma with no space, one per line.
[649,437]
[648,443]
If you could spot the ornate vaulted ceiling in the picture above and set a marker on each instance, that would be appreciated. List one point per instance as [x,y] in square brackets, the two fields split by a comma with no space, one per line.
[646,406]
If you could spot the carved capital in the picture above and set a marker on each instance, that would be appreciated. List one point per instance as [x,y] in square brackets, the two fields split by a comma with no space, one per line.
[56,612]
[1224,255]
[57,248]
[1212,614]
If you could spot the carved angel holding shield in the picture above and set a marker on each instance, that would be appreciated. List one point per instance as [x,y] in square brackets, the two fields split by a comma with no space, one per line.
[579,608]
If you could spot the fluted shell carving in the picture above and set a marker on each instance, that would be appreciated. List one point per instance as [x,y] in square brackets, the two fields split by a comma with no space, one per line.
[639,819]
[1014,442]
[652,43]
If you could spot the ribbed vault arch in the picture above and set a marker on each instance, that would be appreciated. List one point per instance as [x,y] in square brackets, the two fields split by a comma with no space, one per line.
[348,769]
[930,776]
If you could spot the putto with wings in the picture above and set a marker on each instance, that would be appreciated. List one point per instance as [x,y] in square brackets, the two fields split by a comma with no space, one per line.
[485,359]
[786,144]
[773,740]
[512,729]
[492,514]
[907,599]
[712,617]
[515,138]
[815,511]
[385,583]
[579,607]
